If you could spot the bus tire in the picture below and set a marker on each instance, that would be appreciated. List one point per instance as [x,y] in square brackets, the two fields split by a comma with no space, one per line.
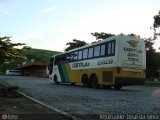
[55,79]
[72,83]
[117,87]
[107,86]
[85,81]
[94,81]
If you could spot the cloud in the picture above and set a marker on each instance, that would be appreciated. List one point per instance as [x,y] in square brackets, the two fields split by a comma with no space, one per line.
[47,10]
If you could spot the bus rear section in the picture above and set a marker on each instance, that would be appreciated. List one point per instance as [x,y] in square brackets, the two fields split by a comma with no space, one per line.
[131,63]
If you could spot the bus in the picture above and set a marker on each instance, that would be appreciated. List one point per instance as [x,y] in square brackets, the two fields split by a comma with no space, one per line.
[14,72]
[113,62]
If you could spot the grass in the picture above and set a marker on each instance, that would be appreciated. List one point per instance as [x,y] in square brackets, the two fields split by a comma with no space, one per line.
[152,82]
[2,73]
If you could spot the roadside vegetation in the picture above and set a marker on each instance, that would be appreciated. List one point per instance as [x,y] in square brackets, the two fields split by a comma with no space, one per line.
[152,82]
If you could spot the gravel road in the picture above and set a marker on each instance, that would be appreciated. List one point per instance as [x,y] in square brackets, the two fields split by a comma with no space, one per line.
[87,102]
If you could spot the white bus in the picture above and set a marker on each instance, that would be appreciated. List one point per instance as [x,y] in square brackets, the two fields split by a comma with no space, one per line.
[14,72]
[116,61]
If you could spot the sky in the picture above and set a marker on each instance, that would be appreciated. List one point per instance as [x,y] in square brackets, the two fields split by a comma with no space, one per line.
[50,24]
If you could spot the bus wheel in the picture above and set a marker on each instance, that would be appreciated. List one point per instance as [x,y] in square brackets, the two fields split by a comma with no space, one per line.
[72,83]
[94,81]
[107,86]
[117,87]
[85,81]
[55,79]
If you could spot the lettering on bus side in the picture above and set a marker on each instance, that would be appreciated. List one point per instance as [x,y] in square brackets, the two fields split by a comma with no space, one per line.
[80,64]
[102,62]
[133,50]
[133,59]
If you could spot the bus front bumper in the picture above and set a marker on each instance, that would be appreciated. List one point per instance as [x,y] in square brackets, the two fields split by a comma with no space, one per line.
[121,81]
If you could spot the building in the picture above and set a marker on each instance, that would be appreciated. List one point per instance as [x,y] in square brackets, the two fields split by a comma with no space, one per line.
[34,69]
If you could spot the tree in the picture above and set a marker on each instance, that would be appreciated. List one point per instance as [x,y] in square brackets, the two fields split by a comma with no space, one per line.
[8,50]
[27,47]
[151,62]
[102,35]
[156,24]
[75,44]
[156,20]
[134,35]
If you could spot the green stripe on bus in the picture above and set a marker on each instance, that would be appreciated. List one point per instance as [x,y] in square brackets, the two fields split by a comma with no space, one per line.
[63,73]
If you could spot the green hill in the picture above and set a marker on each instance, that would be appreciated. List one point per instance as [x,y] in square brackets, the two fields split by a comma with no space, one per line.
[39,55]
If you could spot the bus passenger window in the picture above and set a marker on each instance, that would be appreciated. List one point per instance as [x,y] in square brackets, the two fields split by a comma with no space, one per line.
[85,53]
[90,54]
[80,55]
[61,59]
[109,48]
[75,55]
[96,51]
[67,57]
[71,57]
[113,47]
[102,50]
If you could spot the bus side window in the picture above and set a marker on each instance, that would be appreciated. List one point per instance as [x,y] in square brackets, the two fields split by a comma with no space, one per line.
[96,51]
[71,57]
[85,53]
[64,58]
[102,50]
[75,55]
[90,53]
[80,55]
[113,48]
[109,48]
[59,59]
[67,57]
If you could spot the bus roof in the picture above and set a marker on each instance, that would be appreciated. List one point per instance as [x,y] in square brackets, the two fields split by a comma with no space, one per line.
[99,42]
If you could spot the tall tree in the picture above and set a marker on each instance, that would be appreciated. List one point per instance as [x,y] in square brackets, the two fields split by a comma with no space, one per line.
[8,50]
[75,44]
[102,35]
[156,24]
[151,59]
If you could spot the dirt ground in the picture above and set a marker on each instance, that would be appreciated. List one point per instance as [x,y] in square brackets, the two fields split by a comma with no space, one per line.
[21,108]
